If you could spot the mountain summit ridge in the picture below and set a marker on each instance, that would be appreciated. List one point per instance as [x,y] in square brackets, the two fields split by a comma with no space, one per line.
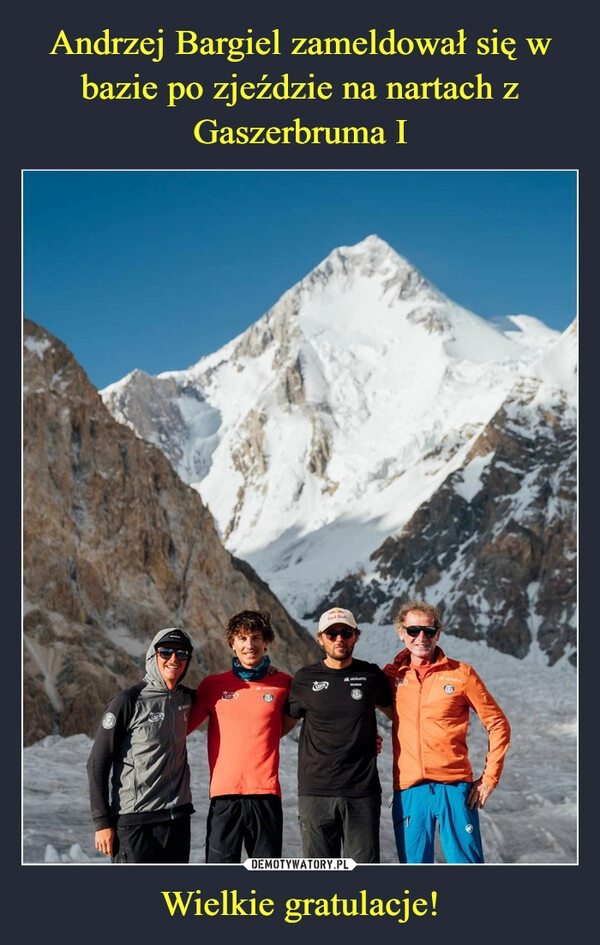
[321,429]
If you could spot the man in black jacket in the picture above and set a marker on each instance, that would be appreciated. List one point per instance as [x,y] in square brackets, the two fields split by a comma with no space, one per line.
[138,770]
[339,792]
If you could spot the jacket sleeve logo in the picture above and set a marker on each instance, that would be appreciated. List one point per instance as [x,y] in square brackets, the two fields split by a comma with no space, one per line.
[109,720]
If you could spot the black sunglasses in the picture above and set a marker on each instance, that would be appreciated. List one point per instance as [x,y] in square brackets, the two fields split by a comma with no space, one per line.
[166,651]
[334,634]
[429,632]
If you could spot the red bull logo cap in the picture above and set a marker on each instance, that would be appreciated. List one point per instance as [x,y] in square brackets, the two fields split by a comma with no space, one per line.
[336,615]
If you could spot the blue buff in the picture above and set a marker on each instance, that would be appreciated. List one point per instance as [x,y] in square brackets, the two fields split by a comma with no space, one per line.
[256,673]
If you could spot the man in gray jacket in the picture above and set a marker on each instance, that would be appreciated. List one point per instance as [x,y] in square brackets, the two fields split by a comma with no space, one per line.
[138,770]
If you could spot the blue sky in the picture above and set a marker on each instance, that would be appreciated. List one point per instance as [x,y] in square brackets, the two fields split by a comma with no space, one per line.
[154,269]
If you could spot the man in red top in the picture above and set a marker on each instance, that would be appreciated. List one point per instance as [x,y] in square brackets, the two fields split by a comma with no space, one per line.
[433,778]
[244,707]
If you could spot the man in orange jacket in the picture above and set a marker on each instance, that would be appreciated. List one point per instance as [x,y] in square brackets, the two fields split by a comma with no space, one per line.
[433,778]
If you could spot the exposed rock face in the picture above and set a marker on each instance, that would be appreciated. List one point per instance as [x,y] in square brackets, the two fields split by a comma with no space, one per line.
[116,546]
[497,556]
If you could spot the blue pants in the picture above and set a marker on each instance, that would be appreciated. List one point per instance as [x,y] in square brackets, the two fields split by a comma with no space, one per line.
[415,812]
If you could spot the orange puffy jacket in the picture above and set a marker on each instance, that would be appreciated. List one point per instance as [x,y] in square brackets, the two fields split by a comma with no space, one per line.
[431,720]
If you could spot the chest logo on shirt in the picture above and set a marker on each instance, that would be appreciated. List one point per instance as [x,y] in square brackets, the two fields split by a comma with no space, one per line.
[268,697]
[356,693]
[319,686]
[230,695]
[109,720]
[449,688]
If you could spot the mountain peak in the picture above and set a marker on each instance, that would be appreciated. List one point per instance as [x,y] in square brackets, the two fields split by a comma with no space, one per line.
[372,245]
[352,284]
[372,255]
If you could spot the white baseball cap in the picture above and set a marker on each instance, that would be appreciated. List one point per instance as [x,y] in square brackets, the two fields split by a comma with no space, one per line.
[336,615]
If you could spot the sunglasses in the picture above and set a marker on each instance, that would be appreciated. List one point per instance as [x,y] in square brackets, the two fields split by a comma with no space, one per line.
[334,634]
[166,651]
[429,632]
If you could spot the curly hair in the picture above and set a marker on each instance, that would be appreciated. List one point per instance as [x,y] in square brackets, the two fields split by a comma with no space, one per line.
[423,608]
[250,621]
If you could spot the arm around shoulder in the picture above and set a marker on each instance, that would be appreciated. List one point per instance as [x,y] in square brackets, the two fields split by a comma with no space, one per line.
[200,707]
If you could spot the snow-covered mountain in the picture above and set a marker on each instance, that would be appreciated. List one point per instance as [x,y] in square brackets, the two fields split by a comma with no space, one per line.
[360,397]
[495,545]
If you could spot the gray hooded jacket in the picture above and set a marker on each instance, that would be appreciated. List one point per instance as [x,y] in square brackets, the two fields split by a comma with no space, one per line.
[138,768]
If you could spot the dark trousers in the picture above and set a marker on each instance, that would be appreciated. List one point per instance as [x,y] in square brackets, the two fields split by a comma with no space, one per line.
[166,842]
[340,826]
[252,820]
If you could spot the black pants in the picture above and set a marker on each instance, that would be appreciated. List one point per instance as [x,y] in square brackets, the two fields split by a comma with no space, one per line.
[340,826]
[167,842]
[254,820]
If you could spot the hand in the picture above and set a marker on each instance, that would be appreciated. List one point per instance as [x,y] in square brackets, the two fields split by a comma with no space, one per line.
[287,724]
[479,794]
[104,840]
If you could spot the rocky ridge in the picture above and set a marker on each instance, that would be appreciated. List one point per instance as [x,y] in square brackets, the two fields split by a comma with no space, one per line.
[115,546]
[495,546]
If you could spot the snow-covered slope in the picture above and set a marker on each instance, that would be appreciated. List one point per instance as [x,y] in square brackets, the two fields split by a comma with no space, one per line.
[320,430]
